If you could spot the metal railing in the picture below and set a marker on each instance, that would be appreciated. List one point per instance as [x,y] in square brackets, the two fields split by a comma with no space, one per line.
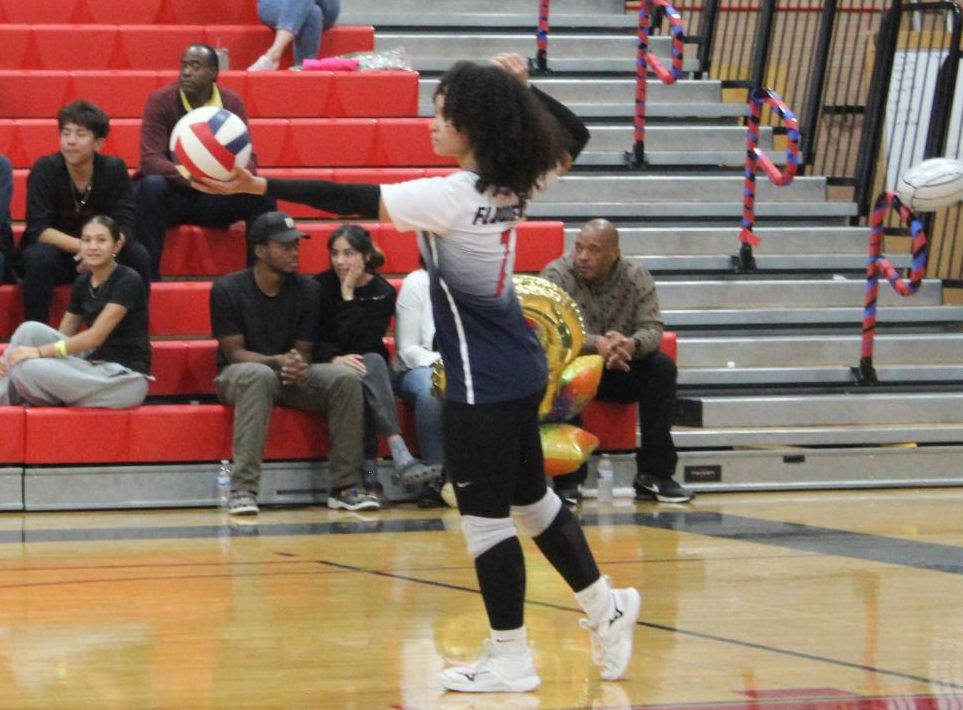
[874,83]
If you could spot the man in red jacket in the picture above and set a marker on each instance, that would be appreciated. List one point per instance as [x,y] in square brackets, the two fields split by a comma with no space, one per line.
[164,196]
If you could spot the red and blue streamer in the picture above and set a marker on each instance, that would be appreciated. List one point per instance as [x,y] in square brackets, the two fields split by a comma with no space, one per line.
[541,35]
[644,59]
[878,265]
[756,158]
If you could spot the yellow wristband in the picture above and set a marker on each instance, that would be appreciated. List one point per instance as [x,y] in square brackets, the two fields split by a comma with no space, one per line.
[61,348]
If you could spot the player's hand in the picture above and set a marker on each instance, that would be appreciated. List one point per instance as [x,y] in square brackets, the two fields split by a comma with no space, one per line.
[354,361]
[242,180]
[514,64]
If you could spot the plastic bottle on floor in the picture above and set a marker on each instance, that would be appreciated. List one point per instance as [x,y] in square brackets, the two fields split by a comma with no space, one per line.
[605,475]
[224,483]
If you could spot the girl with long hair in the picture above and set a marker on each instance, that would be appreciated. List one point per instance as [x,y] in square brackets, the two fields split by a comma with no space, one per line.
[506,142]
[105,365]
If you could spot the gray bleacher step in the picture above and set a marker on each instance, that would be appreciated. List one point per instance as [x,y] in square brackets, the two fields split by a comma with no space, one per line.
[457,7]
[390,19]
[615,137]
[669,158]
[828,293]
[842,435]
[793,263]
[850,409]
[672,240]
[800,375]
[909,318]
[616,98]
[846,467]
[597,52]
[635,188]
[669,145]
[677,211]
[891,349]
[618,186]
[433,63]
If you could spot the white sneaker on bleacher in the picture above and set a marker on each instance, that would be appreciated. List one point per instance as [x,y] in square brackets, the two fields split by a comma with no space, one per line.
[612,639]
[493,673]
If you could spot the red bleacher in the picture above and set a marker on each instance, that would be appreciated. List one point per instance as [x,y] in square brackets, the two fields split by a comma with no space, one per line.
[161,433]
[349,127]
[280,142]
[121,11]
[122,93]
[149,46]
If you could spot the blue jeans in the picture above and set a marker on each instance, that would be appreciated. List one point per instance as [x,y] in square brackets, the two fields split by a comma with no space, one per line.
[305,19]
[414,387]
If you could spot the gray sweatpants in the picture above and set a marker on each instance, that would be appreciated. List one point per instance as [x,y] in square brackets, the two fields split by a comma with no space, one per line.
[67,382]
[253,389]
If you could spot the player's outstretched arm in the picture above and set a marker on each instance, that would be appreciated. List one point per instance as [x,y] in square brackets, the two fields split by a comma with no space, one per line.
[241,181]
[362,199]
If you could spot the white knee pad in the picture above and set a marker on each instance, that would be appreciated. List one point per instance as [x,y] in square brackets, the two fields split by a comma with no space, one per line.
[534,519]
[482,534]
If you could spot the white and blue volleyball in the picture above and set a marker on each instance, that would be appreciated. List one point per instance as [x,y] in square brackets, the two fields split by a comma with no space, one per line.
[211,142]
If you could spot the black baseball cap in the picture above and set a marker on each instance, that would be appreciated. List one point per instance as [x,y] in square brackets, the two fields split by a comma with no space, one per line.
[274,227]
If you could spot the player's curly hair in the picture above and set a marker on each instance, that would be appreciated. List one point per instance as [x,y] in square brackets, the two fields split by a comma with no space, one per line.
[516,141]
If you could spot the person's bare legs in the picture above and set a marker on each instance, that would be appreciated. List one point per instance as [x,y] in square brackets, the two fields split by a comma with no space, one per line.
[282,40]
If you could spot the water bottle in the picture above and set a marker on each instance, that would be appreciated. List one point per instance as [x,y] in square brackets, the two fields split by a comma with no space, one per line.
[224,483]
[605,477]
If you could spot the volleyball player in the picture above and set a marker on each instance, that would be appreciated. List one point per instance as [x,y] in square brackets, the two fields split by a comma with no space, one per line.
[506,143]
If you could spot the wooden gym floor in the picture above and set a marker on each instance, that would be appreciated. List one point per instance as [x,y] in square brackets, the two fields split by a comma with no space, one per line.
[845,600]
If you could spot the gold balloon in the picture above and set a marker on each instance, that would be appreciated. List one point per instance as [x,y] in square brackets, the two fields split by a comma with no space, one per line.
[565,447]
[558,324]
[438,380]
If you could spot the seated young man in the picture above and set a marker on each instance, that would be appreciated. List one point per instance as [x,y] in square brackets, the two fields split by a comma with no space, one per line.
[64,190]
[265,319]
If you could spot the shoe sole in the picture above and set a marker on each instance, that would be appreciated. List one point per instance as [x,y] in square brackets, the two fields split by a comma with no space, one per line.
[246,510]
[630,616]
[338,505]
[649,494]
[456,684]
[417,475]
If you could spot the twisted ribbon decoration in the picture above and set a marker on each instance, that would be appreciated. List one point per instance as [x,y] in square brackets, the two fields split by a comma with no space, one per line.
[756,158]
[877,265]
[541,36]
[644,59]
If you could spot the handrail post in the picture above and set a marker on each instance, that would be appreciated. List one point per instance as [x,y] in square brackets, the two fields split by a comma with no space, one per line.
[644,59]
[756,158]
[817,81]
[877,265]
[710,15]
[760,56]
[873,125]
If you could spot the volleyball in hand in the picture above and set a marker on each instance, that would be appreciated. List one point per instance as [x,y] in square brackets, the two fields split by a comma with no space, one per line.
[210,142]
[931,185]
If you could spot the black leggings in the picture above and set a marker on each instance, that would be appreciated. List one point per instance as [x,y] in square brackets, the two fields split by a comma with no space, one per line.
[494,455]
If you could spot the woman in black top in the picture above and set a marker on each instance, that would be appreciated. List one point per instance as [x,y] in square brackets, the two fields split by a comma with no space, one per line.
[357,305]
[105,365]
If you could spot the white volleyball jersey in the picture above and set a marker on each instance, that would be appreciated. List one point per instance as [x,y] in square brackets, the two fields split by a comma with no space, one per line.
[467,239]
